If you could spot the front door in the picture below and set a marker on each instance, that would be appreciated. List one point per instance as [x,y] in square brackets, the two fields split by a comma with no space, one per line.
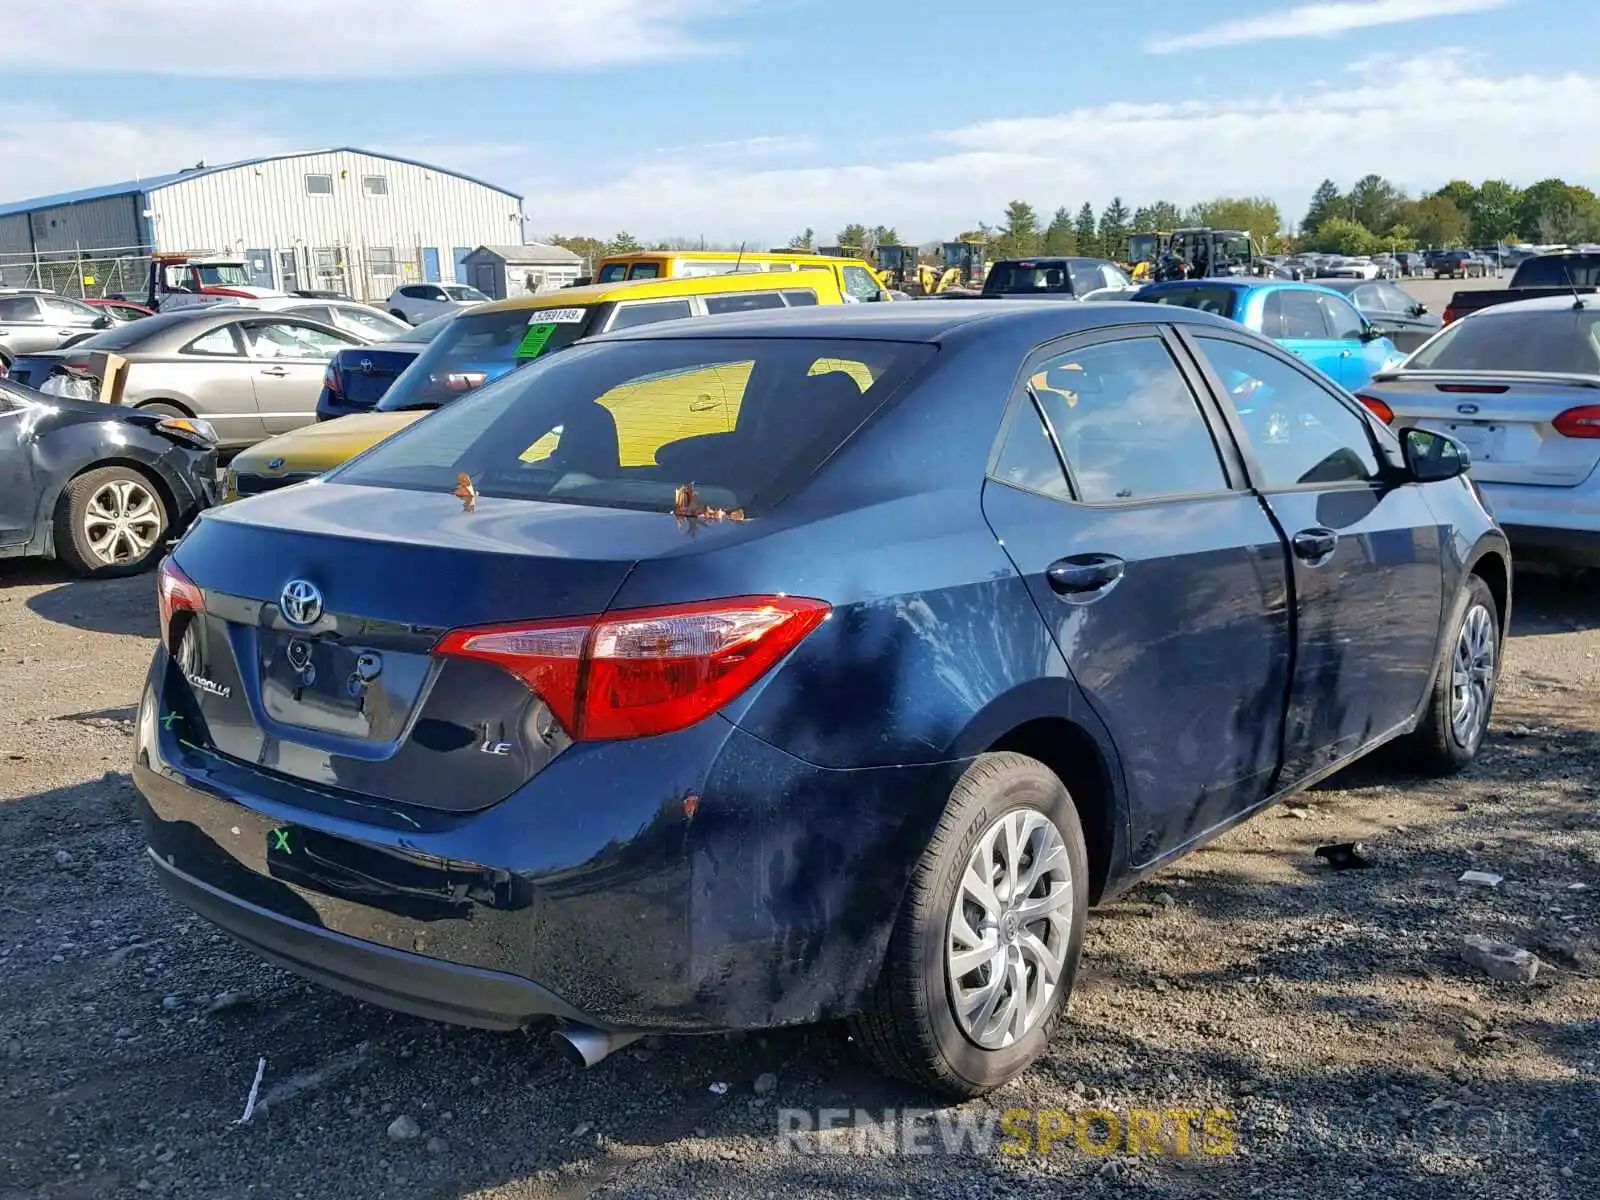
[1361,354]
[17,499]
[1366,554]
[1163,580]
[430,264]
[290,359]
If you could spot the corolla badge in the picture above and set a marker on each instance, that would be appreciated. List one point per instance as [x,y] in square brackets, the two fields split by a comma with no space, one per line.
[1466,410]
[301,602]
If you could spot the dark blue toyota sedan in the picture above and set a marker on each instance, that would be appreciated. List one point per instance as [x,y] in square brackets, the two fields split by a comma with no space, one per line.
[773,668]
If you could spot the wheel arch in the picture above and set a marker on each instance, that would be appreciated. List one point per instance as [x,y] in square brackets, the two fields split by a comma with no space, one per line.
[182,406]
[1493,566]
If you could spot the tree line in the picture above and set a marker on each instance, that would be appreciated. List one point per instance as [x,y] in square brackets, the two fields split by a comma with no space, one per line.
[1374,214]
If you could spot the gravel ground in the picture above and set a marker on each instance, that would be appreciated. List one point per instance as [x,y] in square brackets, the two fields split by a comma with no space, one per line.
[1330,1013]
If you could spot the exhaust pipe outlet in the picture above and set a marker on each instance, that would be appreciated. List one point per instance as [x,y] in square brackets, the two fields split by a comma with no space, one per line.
[586,1047]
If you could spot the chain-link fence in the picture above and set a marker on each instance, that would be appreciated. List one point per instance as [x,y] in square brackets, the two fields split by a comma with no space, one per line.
[114,271]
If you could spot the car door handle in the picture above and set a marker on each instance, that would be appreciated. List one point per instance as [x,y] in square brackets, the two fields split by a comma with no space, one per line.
[1084,573]
[1314,544]
[279,371]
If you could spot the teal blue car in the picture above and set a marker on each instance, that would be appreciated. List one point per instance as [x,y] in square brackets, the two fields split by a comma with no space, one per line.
[1314,323]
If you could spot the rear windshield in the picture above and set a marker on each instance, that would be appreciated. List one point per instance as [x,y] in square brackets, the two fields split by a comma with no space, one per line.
[1563,341]
[125,337]
[1217,300]
[1028,277]
[625,424]
[1558,272]
[473,349]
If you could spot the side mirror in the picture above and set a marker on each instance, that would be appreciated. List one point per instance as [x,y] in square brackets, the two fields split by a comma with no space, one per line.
[1371,333]
[1431,456]
[101,322]
[1419,309]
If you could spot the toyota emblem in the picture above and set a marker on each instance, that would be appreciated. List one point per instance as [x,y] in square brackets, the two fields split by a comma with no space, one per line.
[301,602]
[366,366]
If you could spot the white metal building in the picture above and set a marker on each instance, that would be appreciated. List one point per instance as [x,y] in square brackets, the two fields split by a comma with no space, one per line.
[343,219]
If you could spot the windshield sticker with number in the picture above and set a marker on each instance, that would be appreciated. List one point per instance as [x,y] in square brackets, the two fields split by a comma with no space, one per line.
[558,316]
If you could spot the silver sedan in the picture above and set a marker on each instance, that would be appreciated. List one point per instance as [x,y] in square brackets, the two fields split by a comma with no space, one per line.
[250,374]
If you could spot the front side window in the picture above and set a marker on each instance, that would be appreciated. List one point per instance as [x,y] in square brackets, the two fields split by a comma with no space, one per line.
[800,298]
[644,270]
[1127,423]
[1342,320]
[1300,432]
[222,275]
[859,283]
[279,339]
[626,424]
[613,273]
[67,312]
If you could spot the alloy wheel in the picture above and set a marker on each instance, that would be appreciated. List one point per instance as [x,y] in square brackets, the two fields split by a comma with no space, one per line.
[1009,928]
[1472,676]
[122,521]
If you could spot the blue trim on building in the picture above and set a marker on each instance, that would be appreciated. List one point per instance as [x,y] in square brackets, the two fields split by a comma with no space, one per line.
[156,182]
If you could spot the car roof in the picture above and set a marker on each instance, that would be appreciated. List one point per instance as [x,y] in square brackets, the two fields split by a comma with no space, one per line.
[809,257]
[1031,259]
[1244,285]
[666,287]
[914,321]
[1555,302]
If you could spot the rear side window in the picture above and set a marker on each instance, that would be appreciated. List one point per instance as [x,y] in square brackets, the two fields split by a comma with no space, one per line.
[1217,300]
[1558,272]
[221,342]
[18,308]
[1028,459]
[647,270]
[613,273]
[1128,423]
[798,298]
[1564,340]
[742,302]
[630,316]
[625,424]
[1289,314]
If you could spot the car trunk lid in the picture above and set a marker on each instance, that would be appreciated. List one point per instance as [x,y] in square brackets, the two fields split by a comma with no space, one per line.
[365,374]
[313,655]
[1506,420]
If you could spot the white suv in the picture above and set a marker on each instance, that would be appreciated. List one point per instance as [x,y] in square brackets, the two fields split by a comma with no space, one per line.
[418,302]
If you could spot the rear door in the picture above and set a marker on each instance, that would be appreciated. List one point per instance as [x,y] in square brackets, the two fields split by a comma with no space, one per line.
[17,498]
[22,327]
[1293,318]
[289,358]
[1366,552]
[1161,575]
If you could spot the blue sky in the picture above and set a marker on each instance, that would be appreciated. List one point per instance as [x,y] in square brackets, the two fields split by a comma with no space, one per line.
[753,119]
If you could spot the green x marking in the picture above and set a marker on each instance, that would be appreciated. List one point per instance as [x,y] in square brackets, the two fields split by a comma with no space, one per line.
[170,719]
[280,840]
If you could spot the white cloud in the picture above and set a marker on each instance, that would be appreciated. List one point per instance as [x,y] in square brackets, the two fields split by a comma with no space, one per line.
[1319,20]
[307,39]
[45,152]
[1420,122]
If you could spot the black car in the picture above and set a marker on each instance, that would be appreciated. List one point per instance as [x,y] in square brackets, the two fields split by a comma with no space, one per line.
[101,488]
[1050,278]
[1391,310]
[770,668]
[358,378]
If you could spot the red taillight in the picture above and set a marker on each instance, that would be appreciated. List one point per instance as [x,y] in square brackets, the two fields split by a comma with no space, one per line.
[330,381]
[1449,315]
[646,671]
[175,593]
[1580,422]
[1377,407]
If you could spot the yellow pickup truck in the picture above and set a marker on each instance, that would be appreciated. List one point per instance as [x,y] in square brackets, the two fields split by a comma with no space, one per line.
[856,279]
[491,340]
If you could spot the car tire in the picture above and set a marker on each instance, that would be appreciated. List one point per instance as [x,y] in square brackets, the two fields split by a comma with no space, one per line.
[910,1027]
[1461,703]
[109,522]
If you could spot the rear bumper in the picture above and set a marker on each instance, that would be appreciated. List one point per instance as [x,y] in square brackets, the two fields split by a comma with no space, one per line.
[410,983]
[594,893]
[331,407]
